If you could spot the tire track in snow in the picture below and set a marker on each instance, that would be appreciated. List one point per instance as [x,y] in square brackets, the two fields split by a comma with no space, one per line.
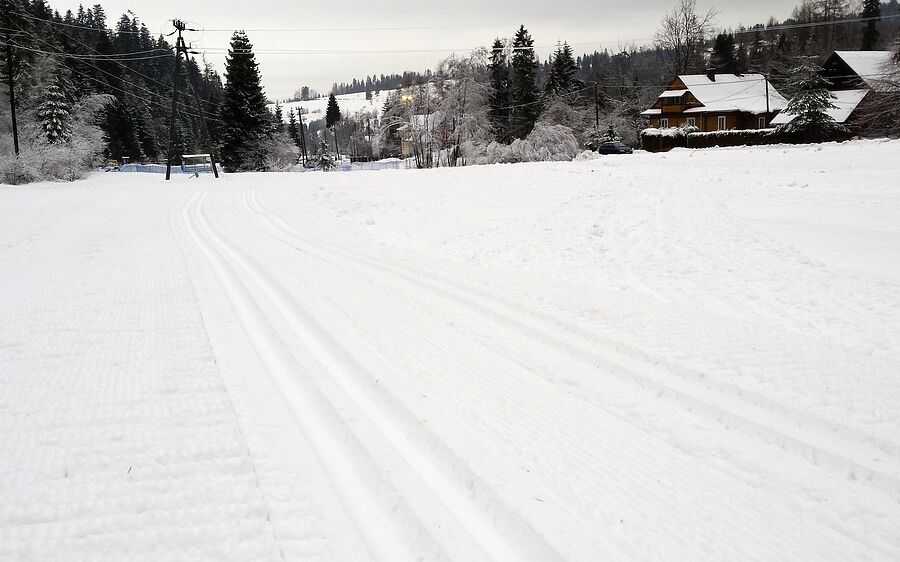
[499,533]
[859,456]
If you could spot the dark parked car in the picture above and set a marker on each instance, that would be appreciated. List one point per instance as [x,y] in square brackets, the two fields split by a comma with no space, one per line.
[614,147]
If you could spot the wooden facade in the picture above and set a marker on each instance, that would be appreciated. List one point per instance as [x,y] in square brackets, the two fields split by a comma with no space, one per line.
[677,106]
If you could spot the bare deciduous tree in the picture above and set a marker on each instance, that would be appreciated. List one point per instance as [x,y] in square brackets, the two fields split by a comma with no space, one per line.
[681,36]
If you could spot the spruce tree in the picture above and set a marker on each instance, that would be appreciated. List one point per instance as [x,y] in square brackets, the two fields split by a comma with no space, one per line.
[499,97]
[524,101]
[757,55]
[562,78]
[292,129]
[245,120]
[724,56]
[871,9]
[332,118]
[809,104]
[332,112]
[54,114]
[279,118]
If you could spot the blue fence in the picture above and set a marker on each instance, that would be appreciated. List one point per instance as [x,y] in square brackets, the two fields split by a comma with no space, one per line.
[161,168]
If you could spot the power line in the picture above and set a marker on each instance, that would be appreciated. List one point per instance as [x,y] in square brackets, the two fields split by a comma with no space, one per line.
[127,68]
[107,84]
[790,26]
[356,29]
[87,57]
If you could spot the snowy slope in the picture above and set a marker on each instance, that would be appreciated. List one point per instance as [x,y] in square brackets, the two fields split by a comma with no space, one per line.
[350,104]
[661,356]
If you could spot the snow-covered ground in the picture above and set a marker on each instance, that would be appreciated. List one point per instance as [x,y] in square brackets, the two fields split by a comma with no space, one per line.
[350,104]
[692,355]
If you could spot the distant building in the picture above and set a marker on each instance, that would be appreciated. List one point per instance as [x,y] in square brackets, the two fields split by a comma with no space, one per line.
[857,78]
[716,102]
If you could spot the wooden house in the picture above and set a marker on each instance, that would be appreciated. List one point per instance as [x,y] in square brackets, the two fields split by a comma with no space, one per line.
[857,78]
[716,102]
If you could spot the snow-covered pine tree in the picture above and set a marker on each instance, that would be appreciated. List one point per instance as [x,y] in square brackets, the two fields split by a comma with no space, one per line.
[54,113]
[324,158]
[809,103]
[499,97]
[525,104]
[245,120]
[562,78]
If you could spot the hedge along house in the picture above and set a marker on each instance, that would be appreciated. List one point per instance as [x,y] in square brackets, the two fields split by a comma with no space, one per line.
[857,79]
[716,102]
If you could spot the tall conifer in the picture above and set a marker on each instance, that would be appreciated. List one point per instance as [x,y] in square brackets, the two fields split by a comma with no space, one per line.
[499,98]
[245,120]
[525,104]
[871,9]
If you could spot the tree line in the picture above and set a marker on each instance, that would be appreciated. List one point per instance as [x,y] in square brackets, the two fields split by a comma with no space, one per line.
[71,72]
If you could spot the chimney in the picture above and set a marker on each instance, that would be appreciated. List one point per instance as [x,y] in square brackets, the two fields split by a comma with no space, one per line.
[711,74]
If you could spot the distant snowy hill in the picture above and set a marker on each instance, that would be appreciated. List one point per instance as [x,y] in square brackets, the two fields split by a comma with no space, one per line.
[350,104]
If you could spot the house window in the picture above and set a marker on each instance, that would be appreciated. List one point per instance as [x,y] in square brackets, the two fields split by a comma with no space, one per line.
[663,123]
[691,121]
[762,123]
[721,122]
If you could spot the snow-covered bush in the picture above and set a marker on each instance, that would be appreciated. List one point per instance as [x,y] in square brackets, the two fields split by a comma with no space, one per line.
[553,142]
[586,155]
[660,140]
[544,143]
[281,153]
[17,170]
[41,160]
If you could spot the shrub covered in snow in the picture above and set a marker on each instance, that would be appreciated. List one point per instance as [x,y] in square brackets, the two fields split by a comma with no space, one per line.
[737,137]
[281,153]
[69,159]
[544,143]
[659,140]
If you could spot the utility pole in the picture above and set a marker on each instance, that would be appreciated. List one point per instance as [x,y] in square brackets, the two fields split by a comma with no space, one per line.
[766,76]
[179,27]
[205,132]
[302,136]
[10,80]
[181,47]
[596,107]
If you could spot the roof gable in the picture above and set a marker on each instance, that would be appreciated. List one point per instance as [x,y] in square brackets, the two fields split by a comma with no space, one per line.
[845,103]
[869,66]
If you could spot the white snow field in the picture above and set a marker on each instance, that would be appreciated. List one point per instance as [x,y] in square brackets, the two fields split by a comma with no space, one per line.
[682,356]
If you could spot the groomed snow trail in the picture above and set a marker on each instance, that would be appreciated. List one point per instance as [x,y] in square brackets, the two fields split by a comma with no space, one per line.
[682,356]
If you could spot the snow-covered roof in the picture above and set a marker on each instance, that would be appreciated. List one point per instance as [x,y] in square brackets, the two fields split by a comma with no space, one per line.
[673,93]
[732,92]
[652,112]
[868,65]
[846,102]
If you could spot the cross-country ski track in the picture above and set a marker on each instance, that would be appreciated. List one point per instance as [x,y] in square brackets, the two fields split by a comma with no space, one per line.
[574,361]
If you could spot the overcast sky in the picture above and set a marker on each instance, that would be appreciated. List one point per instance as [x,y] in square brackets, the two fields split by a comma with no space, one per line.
[458,25]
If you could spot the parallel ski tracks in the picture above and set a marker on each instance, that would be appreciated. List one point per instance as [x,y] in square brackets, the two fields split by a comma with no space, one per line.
[858,455]
[389,527]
